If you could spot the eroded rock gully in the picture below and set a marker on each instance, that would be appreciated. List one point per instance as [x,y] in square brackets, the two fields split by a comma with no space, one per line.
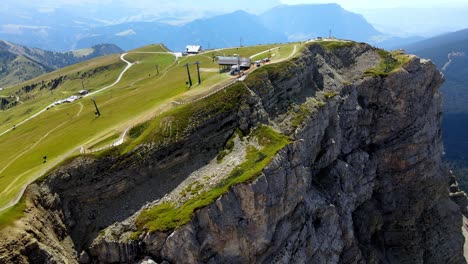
[362,181]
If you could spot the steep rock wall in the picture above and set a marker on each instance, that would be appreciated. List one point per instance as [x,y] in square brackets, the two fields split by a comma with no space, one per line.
[362,181]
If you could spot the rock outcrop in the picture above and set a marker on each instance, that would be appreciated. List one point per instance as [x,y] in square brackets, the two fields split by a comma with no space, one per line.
[361,182]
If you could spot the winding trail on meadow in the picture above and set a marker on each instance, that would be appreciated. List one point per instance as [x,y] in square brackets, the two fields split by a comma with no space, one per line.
[129,64]
[263,52]
[122,57]
[23,189]
[121,138]
[28,149]
[20,194]
[81,109]
[228,83]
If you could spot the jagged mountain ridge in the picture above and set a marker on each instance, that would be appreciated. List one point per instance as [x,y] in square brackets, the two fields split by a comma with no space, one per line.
[215,32]
[281,24]
[20,63]
[361,180]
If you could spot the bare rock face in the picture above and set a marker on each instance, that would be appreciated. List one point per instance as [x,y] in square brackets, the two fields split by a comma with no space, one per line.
[362,181]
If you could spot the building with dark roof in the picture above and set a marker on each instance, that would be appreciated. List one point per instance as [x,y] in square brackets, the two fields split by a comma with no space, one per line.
[226,63]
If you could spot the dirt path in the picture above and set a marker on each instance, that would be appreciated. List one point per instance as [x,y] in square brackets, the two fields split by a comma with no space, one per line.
[216,90]
[227,83]
[81,109]
[263,52]
[129,64]
[222,86]
[62,157]
[49,166]
[23,189]
[28,149]
[122,57]
[121,138]
[20,194]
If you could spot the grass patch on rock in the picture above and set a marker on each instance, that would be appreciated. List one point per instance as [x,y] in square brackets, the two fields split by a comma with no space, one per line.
[168,216]
[229,146]
[390,62]
[12,214]
[305,110]
[334,45]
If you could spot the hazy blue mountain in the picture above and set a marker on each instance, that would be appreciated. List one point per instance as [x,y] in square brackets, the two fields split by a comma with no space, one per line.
[392,42]
[56,29]
[219,31]
[300,22]
[308,21]
[280,24]
[450,53]
[229,30]
[438,49]
[62,29]
[129,35]
[440,46]
[418,20]
[19,63]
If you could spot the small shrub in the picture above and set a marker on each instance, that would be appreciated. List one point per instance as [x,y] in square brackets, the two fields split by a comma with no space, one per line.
[330,94]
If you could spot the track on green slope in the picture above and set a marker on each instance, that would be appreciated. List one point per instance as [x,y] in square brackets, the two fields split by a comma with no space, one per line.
[138,95]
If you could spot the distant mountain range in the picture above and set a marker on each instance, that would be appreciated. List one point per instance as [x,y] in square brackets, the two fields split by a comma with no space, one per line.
[19,63]
[280,24]
[219,31]
[299,22]
[450,53]
[420,20]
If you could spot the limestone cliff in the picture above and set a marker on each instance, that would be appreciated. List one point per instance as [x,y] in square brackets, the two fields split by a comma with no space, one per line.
[361,180]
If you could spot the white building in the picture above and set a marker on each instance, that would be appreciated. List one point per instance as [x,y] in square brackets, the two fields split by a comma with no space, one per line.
[193,49]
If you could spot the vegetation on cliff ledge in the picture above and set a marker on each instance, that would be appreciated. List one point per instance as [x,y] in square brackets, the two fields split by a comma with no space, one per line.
[10,215]
[177,123]
[390,62]
[168,216]
[333,45]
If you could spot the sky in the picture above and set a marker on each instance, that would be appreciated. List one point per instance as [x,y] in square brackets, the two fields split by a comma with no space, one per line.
[238,4]
[440,16]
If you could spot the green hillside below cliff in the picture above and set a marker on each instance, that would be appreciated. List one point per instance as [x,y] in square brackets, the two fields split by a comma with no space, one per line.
[19,63]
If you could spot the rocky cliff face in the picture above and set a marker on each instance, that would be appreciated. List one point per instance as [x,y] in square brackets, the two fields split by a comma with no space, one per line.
[361,182]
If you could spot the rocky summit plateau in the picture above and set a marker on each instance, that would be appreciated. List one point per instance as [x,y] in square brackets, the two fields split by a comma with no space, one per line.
[332,156]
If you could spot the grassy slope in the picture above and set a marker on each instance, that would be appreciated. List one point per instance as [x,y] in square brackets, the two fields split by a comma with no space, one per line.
[60,131]
[20,69]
